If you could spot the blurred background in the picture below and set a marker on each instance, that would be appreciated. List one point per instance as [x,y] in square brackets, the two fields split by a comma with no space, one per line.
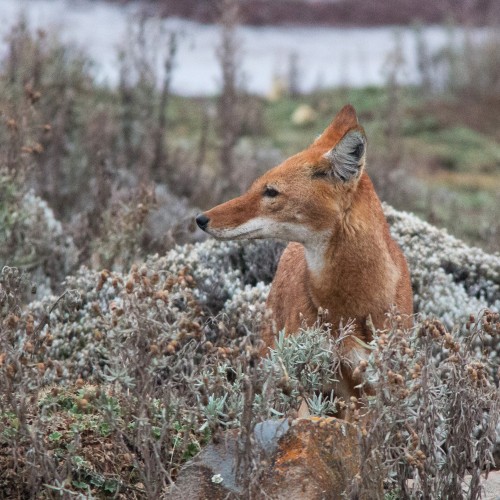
[121,120]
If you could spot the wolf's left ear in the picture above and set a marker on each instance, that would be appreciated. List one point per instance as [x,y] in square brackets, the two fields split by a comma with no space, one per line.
[347,157]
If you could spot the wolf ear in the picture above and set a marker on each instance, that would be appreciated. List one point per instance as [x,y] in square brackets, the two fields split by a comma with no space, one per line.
[347,157]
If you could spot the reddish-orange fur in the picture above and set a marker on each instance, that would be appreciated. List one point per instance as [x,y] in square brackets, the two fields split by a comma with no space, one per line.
[361,272]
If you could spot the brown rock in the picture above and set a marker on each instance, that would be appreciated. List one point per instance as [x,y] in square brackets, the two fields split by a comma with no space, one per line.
[196,483]
[211,474]
[314,458]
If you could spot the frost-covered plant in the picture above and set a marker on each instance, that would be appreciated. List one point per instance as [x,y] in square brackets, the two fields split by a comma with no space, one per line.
[30,236]
[322,406]
[450,279]
[178,336]
[431,423]
[222,287]
[306,363]
[214,410]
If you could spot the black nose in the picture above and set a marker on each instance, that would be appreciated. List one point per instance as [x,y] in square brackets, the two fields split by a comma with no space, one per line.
[202,220]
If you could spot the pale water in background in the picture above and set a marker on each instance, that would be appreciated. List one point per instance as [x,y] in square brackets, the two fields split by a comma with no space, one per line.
[326,56]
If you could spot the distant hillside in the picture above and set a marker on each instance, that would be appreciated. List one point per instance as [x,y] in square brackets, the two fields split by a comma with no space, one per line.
[335,12]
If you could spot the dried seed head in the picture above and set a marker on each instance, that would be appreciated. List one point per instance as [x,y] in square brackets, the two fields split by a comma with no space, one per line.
[170,349]
[169,283]
[12,320]
[161,295]
[82,403]
[285,386]
[29,347]
[30,325]
[12,124]
[11,370]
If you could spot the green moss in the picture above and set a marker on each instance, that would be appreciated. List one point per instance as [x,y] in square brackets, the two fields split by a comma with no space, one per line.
[459,148]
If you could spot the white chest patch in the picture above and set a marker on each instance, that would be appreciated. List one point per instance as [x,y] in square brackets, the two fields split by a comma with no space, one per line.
[315,252]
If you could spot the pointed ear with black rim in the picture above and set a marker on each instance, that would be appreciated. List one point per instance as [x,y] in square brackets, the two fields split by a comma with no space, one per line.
[344,121]
[347,157]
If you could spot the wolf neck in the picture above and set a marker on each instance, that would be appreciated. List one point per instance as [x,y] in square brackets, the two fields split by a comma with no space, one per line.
[354,267]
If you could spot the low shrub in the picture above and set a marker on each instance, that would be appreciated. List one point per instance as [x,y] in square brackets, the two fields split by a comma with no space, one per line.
[112,386]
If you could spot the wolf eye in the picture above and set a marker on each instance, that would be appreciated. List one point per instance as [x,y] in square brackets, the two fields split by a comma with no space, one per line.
[270,192]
